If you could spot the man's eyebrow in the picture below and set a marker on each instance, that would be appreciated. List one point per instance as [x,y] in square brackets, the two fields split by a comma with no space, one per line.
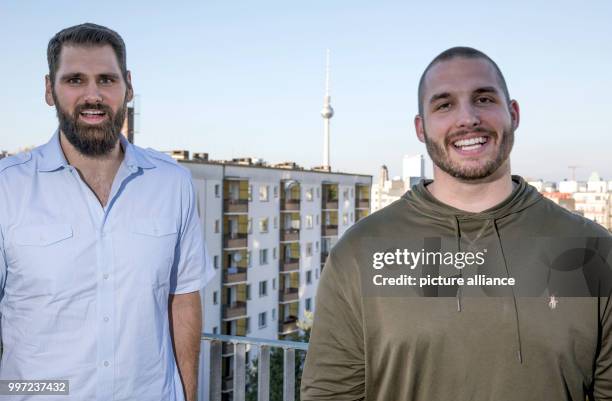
[70,75]
[486,89]
[109,75]
[439,96]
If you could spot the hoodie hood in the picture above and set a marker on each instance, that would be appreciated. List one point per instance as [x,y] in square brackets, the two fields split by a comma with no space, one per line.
[522,197]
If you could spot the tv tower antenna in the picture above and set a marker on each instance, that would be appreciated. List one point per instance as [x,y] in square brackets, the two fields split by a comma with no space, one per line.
[327,113]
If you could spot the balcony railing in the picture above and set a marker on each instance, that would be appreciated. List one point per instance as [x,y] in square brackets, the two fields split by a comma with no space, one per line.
[329,230]
[237,382]
[363,203]
[234,310]
[288,325]
[289,264]
[330,204]
[289,294]
[234,275]
[236,205]
[235,240]
[290,204]
[290,234]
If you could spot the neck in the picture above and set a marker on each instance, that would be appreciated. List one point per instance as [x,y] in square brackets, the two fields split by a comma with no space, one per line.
[472,196]
[104,165]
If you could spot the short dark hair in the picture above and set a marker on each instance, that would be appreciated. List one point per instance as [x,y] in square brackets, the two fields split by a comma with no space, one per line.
[455,52]
[86,34]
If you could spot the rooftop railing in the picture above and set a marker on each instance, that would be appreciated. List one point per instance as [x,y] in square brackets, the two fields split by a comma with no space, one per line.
[240,363]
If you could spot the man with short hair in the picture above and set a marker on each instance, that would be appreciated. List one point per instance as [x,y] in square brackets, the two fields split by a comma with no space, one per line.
[383,332]
[101,251]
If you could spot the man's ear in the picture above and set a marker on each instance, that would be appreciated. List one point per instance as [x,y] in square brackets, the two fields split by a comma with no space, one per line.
[419,126]
[49,91]
[130,90]
[515,113]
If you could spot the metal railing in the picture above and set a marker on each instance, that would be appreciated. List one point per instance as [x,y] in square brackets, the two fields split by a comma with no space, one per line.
[263,370]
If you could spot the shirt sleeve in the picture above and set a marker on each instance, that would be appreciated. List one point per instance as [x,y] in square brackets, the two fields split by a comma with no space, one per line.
[192,268]
[3,264]
[335,368]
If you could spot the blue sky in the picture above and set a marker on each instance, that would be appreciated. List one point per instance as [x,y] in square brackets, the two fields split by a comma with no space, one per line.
[238,78]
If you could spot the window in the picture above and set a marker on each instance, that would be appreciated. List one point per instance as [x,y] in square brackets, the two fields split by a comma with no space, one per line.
[276,191]
[317,246]
[215,298]
[309,194]
[273,283]
[263,256]
[345,194]
[274,253]
[248,258]
[317,219]
[248,292]
[273,313]
[309,277]
[345,219]
[250,226]
[248,325]
[352,192]
[217,191]
[263,288]
[215,330]
[308,221]
[317,273]
[308,305]
[263,225]
[263,193]
[351,217]
[217,226]
[216,261]
[250,193]
[275,222]
[309,249]
[318,193]
[262,320]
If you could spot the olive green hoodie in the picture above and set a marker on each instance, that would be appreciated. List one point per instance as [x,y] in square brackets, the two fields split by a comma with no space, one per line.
[546,338]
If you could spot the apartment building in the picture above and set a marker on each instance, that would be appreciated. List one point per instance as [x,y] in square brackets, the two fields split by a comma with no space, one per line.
[268,231]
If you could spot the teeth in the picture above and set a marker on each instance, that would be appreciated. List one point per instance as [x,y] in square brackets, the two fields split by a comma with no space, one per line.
[92,112]
[471,141]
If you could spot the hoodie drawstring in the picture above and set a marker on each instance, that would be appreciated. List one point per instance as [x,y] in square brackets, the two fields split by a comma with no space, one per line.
[458,236]
[516,314]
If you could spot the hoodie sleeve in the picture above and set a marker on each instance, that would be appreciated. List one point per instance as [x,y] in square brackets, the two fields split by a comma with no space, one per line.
[603,366]
[335,368]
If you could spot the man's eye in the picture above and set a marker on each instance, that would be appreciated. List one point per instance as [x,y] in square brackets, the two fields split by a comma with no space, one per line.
[483,100]
[106,81]
[443,106]
[74,81]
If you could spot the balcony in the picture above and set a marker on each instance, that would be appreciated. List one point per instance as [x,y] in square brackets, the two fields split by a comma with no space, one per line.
[330,204]
[362,203]
[288,325]
[324,255]
[234,310]
[236,381]
[289,294]
[291,234]
[236,206]
[234,275]
[329,230]
[290,205]
[235,240]
[289,264]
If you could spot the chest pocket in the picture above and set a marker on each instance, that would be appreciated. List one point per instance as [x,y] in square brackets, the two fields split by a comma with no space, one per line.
[41,235]
[154,241]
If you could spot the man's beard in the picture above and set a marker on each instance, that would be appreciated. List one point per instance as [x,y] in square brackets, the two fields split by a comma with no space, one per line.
[91,140]
[441,158]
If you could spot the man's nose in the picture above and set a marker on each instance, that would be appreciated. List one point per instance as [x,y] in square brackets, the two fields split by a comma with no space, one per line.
[92,93]
[468,117]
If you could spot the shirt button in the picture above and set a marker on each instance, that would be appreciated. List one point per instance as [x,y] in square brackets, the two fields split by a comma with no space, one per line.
[106,318]
[105,276]
[106,363]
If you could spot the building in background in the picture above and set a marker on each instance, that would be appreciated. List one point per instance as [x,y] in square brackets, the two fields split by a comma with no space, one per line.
[268,231]
[131,119]
[387,191]
[591,199]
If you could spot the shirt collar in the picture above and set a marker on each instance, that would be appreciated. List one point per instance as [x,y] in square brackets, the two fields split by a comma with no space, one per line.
[52,156]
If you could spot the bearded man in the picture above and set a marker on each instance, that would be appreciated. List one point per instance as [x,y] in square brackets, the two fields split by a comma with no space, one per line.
[101,252]
[547,337]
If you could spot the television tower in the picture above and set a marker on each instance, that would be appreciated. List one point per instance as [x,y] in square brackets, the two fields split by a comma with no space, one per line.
[327,113]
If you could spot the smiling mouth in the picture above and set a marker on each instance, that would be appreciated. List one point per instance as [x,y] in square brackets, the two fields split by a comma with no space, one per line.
[471,143]
[92,116]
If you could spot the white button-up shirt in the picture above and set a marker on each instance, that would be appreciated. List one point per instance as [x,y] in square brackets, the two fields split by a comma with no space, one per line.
[84,289]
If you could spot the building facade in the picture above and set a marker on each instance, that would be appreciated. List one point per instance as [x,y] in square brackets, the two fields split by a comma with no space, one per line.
[268,231]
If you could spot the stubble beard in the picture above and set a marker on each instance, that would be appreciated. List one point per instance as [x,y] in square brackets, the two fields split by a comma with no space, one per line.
[442,159]
[91,140]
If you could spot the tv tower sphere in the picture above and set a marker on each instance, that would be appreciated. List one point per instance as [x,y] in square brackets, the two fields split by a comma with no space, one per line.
[327,112]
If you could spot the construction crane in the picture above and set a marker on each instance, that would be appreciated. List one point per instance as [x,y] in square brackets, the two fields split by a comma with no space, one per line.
[573,168]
